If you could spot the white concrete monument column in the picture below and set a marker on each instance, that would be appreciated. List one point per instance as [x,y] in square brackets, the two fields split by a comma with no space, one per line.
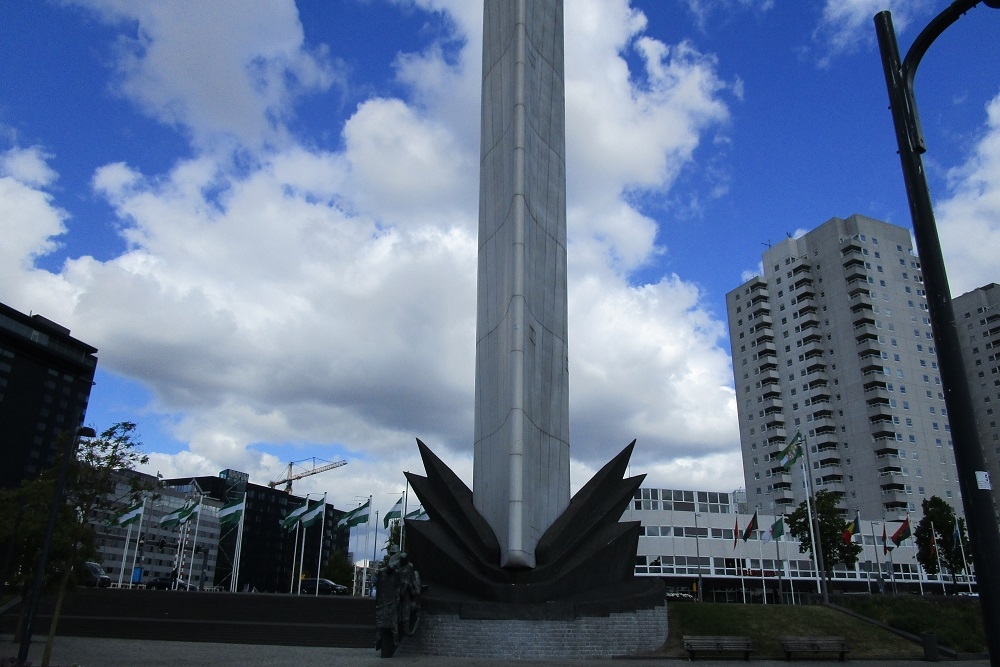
[521,464]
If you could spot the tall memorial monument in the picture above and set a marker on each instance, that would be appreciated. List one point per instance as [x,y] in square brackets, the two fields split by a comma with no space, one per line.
[521,468]
[516,546]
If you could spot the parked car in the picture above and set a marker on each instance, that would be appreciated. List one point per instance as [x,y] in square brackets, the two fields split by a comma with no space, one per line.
[94,575]
[326,587]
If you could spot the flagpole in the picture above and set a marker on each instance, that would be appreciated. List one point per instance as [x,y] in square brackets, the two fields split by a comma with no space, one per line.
[302,552]
[937,554]
[965,563]
[812,532]
[319,554]
[402,518]
[368,531]
[194,545]
[238,551]
[135,554]
[128,538]
[763,580]
[878,565]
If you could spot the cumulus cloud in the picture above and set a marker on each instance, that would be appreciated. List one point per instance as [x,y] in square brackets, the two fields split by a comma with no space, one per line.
[847,25]
[327,299]
[969,217]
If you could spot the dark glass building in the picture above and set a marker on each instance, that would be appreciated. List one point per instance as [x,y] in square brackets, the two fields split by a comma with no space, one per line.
[45,381]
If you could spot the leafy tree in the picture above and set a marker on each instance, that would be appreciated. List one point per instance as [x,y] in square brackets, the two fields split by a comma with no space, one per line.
[831,529]
[339,569]
[939,514]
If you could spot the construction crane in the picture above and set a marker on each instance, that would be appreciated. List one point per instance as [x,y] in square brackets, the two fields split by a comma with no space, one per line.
[289,477]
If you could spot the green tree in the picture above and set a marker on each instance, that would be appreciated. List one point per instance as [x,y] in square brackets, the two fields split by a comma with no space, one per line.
[831,529]
[939,514]
[339,569]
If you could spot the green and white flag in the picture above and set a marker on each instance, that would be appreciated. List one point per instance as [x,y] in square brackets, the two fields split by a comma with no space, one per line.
[191,513]
[417,514]
[289,522]
[178,516]
[395,513]
[776,530]
[130,515]
[232,512]
[314,514]
[792,452]
[355,517]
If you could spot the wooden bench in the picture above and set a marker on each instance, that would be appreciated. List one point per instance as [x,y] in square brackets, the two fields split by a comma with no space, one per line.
[717,644]
[836,645]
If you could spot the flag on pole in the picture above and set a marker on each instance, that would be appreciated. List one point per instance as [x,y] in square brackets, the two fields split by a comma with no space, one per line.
[776,530]
[130,515]
[902,533]
[417,514]
[292,518]
[231,513]
[791,453]
[355,517]
[178,516]
[752,526]
[314,514]
[885,541]
[956,536]
[395,513]
[852,528]
[736,532]
[191,513]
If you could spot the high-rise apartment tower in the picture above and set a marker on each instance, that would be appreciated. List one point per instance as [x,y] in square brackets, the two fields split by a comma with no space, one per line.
[978,316]
[834,341]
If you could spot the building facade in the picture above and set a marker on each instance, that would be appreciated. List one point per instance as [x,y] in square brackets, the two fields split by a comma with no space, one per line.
[978,316]
[693,540]
[45,381]
[834,342]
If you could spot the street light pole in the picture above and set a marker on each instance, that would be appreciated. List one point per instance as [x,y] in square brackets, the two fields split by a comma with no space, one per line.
[69,453]
[973,477]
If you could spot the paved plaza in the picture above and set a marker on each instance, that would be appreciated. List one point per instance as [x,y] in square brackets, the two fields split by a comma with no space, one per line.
[88,652]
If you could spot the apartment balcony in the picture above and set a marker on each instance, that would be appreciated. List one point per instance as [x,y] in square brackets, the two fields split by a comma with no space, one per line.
[760,309]
[819,393]
[818,383]
[869,344]
[891,480]
[804,292]
[824,424]
[804,281]
[895,504]
[774,423]
[770,375]
[879,411]
[766,349]
[783,496]
[825,429]
[863,318]
[758,286]
[826,445]
[873,367]
[852,260]
[769,365]
[813,347]
[857,288]
[770,390]
[855,272]
[772,404]
[834,486]
[885,452]
[776,439]
[809,319]
[850,246]
[883,431]
[764,335]
[875,382]
[878,395]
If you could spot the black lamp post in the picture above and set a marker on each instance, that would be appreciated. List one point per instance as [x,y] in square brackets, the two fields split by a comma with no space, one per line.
[973,478]
[43,554]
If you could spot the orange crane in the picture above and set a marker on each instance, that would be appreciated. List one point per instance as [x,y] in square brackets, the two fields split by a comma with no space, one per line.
[289,477]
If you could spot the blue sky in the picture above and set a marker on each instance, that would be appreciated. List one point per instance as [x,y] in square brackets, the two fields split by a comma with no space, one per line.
[264,214]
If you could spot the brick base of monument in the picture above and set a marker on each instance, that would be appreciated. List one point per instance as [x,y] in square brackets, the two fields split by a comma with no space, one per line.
[627,633]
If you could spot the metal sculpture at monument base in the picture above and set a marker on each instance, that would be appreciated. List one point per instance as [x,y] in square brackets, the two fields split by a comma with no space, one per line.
[584,571]
[397,603]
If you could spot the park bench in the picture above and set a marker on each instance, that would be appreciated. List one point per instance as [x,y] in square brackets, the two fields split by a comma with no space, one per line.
[836,645]
[717,644]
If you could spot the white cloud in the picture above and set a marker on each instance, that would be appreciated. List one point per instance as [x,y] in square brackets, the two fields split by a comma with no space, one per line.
[846,25]
[969,218]
[222,71]
[326,300]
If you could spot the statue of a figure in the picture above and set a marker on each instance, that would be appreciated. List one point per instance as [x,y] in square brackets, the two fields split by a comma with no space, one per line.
[397,602]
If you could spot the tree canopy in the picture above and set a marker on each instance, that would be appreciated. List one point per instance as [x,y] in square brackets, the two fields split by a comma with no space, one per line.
[831,530]
[940,533]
